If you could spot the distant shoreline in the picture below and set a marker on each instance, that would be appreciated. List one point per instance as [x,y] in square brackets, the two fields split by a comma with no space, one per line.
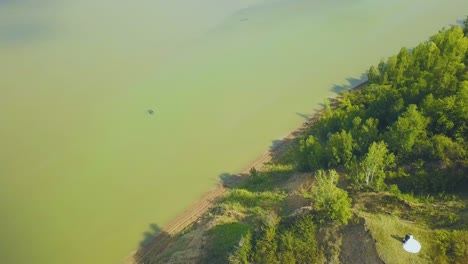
[205,202]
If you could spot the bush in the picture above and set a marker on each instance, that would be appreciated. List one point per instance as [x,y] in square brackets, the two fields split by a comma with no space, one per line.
[331,202]
[393,189]
[452,246]
[289,242]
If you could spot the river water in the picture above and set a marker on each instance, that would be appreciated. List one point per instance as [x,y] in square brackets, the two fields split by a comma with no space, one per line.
[85,169]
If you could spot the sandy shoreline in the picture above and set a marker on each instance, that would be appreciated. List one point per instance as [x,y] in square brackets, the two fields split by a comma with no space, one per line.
[204,203]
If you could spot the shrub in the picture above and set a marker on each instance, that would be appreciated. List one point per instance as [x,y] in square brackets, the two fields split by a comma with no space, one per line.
[331,202]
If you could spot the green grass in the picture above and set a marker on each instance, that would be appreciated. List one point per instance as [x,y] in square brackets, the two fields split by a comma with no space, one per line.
[269,178]
[388,230]
[230,212]
[432,220]
[223,239]
[438,245]
[246,198]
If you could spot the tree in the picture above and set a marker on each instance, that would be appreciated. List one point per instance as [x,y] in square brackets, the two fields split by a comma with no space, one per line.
[364,133]
[383,103]
[373,75]
[403,63]
[298,244]
[372,168]
[286,248]
[265,249]
[331,202]
[306,249]
[446,150]
[461,111]
[340,148]
[253,172]
[409,127]
[465,28]
[453,47]
[242,253]
[383,70]
[311,154]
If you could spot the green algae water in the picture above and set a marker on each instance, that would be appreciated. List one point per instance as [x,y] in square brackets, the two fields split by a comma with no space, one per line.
[85,169]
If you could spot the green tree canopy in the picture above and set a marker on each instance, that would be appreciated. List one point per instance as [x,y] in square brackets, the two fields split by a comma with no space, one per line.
[465,29]
[404,133]
[340,148]
[311,155]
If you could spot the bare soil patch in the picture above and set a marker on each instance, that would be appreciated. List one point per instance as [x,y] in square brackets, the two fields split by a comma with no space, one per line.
[358,246]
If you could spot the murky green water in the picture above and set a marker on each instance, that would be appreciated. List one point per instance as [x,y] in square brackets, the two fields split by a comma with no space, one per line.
[84,169]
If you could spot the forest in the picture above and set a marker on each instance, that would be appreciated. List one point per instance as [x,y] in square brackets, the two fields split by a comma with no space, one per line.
[407,127]
[390,157]
[405,132]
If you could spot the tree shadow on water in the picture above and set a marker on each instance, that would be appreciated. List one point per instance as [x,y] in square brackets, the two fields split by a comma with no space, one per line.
[303,116]
[310,117]
[460,22]
[25,33]
[351,84]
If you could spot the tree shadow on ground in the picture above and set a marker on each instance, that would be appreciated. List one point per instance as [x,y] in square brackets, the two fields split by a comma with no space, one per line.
[154,241]
[230,180]
[351,84]
[257,181]
[280,148]
[150,235]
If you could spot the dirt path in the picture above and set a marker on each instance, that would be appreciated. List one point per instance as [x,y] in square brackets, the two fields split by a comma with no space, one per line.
[358,245]
[194,212]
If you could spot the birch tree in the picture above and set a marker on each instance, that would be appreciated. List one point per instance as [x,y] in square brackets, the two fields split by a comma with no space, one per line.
[372,167]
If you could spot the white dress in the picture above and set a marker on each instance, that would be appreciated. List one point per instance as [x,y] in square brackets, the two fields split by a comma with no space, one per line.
[412,245]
